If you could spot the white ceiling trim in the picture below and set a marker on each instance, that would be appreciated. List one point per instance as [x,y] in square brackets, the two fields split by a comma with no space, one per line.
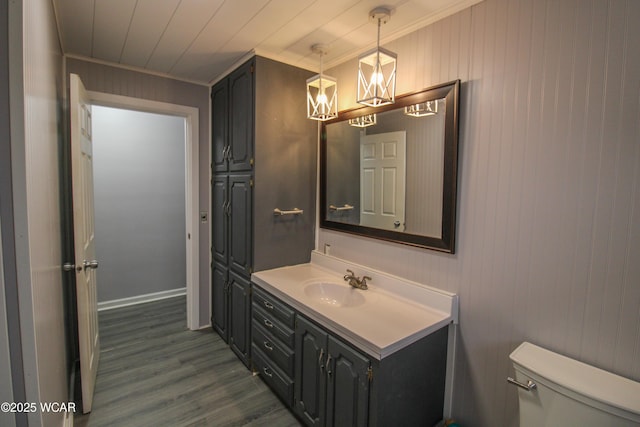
[133,68]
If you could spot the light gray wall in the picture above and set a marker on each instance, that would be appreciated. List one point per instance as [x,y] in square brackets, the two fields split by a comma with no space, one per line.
[139,184]
[118,81]
[549,188]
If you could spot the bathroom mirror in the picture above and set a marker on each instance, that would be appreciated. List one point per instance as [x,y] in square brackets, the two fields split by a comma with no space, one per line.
[390,172]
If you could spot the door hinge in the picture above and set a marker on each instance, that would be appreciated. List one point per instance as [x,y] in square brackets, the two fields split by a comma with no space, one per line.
[251,69]
[251,161]
[370,373]
[251,183]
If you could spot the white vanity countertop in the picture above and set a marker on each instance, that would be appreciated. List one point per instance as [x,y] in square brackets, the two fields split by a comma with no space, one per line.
[395,312]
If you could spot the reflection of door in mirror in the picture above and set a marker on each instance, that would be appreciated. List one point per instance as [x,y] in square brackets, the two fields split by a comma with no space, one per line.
[382,180]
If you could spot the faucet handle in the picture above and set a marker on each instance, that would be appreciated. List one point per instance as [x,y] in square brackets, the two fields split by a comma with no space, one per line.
[364,280]
[350,275]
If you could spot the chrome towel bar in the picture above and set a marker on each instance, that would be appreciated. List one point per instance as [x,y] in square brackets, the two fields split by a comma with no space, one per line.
[346,207]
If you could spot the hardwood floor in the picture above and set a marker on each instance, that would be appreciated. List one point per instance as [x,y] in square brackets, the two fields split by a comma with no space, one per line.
[155,372]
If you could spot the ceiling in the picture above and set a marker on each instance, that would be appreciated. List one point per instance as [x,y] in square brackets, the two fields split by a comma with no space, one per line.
[200,40]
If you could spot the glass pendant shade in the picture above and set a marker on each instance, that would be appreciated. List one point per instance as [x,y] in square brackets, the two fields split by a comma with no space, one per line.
[363,121]
[322,97]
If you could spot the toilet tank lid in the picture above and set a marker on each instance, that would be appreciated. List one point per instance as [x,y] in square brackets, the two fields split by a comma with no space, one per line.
[583,379]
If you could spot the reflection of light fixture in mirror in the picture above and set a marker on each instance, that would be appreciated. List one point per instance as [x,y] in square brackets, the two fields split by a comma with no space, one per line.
[377,69]
[363,121]
[322,92]
[428,108]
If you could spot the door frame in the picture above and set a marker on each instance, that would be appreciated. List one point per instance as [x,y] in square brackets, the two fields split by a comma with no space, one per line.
[192,202]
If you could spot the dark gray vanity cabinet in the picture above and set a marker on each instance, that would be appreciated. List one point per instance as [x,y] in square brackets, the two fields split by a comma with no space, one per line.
[231,268]
[232,106]
[220,300]
[239,316]
[231,310]
[273,343]
[263,157]
[332,379]
[328,382]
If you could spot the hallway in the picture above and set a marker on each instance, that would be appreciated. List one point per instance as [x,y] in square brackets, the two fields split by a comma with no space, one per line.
[155,372]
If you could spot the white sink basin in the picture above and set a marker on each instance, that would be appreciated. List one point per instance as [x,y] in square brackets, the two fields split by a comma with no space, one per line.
[334,294]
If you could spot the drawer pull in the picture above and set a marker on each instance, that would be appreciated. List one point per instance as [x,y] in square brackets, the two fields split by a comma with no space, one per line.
[268,323]
[268,305]
[268,372]
[268,346]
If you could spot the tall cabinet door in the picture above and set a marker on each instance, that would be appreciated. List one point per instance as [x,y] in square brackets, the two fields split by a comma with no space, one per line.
[220,219]
[241,118]
[219,301]
[219,126]
[239,316]
[347,386]
[240,214]
[310,383]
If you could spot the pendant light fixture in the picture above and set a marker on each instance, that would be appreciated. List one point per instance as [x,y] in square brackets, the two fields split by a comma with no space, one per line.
[377,69]
[322,92]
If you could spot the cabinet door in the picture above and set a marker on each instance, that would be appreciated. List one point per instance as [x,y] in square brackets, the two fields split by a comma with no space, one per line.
[310,378]
[219,301]
[239,316]
[219,219]
[219,125]
[347,386]
[240,224]
[241,118]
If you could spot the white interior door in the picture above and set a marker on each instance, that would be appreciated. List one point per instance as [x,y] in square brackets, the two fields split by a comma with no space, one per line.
[383,180]
[84,238]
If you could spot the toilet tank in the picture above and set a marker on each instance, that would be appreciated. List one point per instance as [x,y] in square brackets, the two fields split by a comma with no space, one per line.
[571,393]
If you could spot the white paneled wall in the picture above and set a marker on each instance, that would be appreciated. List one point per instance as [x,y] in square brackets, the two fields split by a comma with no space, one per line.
[38,232]
[549,188]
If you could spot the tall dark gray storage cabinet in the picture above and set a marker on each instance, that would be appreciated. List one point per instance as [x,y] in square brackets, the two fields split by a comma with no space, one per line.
[263,157]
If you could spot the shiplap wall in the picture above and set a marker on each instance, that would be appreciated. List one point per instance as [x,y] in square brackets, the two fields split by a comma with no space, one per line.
[36,113]
[119,81]
[549,188]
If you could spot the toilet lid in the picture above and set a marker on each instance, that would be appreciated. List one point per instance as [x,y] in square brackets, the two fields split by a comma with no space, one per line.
[585,380]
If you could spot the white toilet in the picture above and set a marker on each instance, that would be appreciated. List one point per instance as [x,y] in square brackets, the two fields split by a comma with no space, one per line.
[554,390]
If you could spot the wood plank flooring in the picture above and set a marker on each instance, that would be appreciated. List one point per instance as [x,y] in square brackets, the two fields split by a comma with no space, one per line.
[155,372]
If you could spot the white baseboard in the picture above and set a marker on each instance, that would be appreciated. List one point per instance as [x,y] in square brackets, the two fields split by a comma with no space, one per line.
[140,299]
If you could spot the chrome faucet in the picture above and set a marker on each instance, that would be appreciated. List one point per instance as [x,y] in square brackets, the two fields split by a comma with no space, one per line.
[355,281]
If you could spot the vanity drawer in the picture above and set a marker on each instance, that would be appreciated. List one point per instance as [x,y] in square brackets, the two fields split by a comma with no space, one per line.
[273,326]
[273,349]
[279,383]
[274,306]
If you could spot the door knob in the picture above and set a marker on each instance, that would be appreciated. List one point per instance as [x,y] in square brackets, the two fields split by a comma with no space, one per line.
[90,264]
[68,266]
